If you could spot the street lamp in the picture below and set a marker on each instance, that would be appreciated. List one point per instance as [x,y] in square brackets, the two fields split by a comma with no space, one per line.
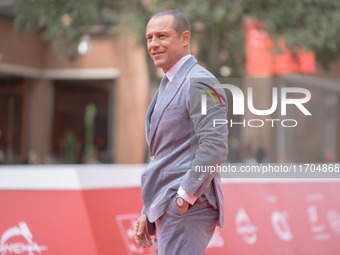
[84,45]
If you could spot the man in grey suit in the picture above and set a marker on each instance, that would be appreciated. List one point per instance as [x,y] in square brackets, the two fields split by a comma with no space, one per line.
[182,204]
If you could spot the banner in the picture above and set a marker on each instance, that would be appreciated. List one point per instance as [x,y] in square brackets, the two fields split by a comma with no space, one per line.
[92,210]
[262,60]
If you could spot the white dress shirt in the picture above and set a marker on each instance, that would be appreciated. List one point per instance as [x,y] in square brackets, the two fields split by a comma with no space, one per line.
[171,74]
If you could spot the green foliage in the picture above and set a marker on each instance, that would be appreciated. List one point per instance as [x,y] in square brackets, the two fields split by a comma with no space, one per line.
[63,22]
[307,24]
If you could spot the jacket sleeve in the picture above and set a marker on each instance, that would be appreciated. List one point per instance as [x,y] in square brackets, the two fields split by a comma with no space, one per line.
[209,142]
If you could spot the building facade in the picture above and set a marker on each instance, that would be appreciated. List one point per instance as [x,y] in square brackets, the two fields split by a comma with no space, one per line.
[44,97]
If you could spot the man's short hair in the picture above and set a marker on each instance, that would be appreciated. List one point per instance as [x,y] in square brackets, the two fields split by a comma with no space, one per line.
[180,21]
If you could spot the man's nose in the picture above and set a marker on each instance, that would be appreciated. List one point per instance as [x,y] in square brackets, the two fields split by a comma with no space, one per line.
[153,43]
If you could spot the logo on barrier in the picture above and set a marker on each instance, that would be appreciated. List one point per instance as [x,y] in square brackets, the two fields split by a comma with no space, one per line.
[216,240]
[126,224]
[281,227]
[334,221]
[15,247]
[318,229]
[245,228]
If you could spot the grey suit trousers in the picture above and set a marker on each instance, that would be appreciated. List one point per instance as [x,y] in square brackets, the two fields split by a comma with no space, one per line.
[185,234]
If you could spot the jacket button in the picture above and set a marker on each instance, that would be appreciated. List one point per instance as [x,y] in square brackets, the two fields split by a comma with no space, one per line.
[152,158]
[201,177]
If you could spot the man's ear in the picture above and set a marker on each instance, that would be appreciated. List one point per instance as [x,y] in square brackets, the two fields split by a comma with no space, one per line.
[186,38]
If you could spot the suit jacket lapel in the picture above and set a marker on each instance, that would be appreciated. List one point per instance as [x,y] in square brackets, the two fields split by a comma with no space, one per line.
[168,95]
[148,117]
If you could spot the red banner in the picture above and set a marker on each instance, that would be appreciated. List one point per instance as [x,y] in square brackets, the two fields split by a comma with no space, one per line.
[261,218]
[261,60]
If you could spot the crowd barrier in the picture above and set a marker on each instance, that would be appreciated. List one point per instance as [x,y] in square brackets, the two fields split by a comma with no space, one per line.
[91,210]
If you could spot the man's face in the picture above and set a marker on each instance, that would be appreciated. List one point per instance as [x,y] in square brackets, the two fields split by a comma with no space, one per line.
[165,46]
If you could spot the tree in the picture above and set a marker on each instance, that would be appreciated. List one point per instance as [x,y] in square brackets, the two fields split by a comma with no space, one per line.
[306,24]
[219,25]
[64,22]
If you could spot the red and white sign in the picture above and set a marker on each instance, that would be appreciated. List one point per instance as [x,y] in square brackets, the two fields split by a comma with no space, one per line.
[262,61]
[92,210]
[10,241]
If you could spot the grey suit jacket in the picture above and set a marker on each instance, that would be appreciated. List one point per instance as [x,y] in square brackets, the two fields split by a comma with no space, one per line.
[180,139]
